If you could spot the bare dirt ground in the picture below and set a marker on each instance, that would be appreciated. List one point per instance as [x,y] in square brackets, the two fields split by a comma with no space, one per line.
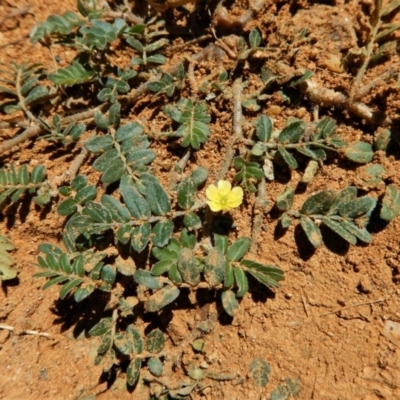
[323,326]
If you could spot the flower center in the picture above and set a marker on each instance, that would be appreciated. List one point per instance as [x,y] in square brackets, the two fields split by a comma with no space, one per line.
[223,200]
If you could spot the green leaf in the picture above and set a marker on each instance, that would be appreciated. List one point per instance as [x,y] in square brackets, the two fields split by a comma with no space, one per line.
[97,212]
[171,252]
[307,75]
[319,203]
[264,128]
[238,249]
[289,389]
[155,366]
[357,207]
[268,275]
[86,194]
[260,370]
[68,287]
[134,201]
[105,344]
[340,230]
[38,174]
[81,293]
[156,45]
[193,119]
[360,152]
[346,195]
[160,267]
[140,237]
[221,242]
[285,221]
[145,278]
[359,233]
[188,268]
[326,127]
[102,327]
[119,213]
[241,281]
[174,275]
[254,38]
[79,182]
[251,105]
[124,233]
[162,298]
[229,302]
[188,240]
[186,193]
[214,269]
[74,74]
[55,281]
[285,200]
[192,221]
[155,341]
[67,207]
[36,94]
[133,371]
[229,275]
[99,143]
[390,203]
[292,133]
[157,199]
[162,232]
[130,342]
[199,175]
[312,231]
[288,158]
[108,274]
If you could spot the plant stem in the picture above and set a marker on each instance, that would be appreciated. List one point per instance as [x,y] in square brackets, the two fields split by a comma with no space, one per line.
[259,215]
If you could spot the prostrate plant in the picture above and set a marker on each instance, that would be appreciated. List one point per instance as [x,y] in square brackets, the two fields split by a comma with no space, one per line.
[146,236]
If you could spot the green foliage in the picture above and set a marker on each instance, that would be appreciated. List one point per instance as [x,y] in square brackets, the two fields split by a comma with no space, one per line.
[14,183]
[56,25]
[67,135]
[343,212]
[290,388]
[6,261]
[193,120]
[391,203]
[124,151]
[74,74]
[78,194]
[145,39]
[168,84]
[143,235]
[260,370]
[23,88]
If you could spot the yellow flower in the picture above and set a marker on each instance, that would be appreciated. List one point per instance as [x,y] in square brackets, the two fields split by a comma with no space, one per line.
[223,197]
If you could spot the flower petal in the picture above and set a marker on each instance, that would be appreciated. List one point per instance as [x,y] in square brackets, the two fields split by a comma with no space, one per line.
[214,206]
[235,197]
[212,193]
[224,188]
